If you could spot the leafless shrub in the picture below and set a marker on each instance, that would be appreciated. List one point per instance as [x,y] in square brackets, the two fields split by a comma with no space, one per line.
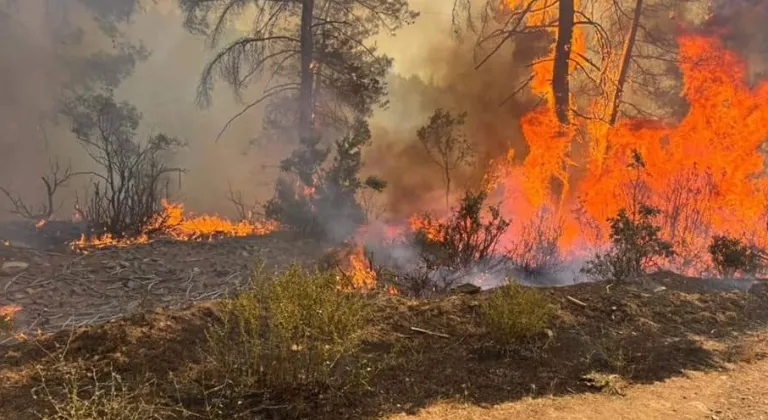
[449,250]
[686,207]
[244,211]
[55,178]
[536,250]
[133,176]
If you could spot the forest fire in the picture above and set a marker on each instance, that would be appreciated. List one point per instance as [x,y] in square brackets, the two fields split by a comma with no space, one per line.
[706,174]
[173,223]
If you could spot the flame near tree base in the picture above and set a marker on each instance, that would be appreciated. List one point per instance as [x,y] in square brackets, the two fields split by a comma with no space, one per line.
[706,174]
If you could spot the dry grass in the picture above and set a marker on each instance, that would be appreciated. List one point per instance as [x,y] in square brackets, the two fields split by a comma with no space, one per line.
[294,345]
[91,396]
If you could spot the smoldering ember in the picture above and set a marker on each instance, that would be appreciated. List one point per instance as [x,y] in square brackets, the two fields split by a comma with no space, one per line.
[251,209]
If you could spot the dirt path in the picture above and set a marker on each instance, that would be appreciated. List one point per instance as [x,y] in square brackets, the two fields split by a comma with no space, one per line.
[738,394]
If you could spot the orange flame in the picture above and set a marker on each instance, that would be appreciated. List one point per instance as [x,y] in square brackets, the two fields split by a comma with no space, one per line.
[358,272]
[7,313]
[706,174]
[172,222]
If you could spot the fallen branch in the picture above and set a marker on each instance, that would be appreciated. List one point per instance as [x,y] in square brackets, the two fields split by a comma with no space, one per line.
[576,301]
[437,334]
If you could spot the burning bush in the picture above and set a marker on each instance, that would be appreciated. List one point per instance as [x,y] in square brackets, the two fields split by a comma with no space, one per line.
[536,250]
[295,329]
[132,175]
[323,201]
[463,244]
[514,312]
[732,256]
[636,245]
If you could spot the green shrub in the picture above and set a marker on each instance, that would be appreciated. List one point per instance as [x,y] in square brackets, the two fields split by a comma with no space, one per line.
[293,329]
[318,197]
[514,312]
[731,256]
[635,246]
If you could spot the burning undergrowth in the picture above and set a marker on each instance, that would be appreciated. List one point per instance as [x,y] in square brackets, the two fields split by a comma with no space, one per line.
[172,223]
[659,192]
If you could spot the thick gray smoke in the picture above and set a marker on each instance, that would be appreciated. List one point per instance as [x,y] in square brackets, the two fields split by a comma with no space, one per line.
[53,48]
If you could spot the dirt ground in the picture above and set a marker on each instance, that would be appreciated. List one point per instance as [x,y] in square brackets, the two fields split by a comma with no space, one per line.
[63,289]
[738,393]
[664,347]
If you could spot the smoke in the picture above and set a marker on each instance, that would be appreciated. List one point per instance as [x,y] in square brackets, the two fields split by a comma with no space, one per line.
[741,23]
[492,97]
[54,48]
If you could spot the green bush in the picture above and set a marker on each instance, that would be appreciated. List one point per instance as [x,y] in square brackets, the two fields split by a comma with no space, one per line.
[731,256]
[514,312]
[318,197]
[635,246]
[293,329]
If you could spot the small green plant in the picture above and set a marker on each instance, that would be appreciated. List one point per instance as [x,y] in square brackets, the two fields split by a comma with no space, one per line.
[636,245]
[514,313]
[731,256]
[294,329]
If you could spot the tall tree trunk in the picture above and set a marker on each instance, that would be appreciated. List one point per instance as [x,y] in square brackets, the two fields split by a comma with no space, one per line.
[307,79]
[560,84]
[447,186]
[626,56]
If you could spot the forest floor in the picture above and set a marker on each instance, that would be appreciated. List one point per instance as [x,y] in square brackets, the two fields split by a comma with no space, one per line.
[664,347]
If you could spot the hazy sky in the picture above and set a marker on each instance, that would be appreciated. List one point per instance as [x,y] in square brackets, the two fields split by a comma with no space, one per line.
[433,26]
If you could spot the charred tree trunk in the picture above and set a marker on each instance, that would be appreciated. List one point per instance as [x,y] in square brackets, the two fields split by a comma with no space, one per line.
[560,83]
[307,80]
[626,56]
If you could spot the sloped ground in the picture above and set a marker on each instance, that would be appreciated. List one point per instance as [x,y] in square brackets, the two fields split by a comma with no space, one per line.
[63,289]
[619,340]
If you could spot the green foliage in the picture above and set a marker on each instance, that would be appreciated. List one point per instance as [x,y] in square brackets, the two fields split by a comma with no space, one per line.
[446,145]
[731,256]
[350,70]
[636,245]
[514,312]
[293,329]
[323,200]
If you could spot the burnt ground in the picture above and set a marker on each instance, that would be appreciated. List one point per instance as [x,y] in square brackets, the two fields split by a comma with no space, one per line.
[62,288]
[144,310]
